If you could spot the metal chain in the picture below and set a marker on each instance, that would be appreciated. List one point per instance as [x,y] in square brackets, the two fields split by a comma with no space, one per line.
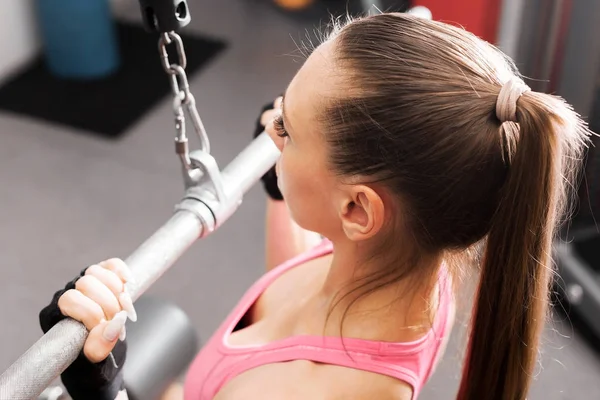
[182,97]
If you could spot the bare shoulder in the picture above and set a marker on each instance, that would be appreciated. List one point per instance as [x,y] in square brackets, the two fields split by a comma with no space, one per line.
[296,282]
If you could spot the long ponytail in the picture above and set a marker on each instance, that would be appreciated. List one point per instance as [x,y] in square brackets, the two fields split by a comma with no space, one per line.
[543,151]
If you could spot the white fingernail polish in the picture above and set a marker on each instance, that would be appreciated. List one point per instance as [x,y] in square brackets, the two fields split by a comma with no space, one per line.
[114,362]
[128,275]
[127,304]
[113,329]
[123,334]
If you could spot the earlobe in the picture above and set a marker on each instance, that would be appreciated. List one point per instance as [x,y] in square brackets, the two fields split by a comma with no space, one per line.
[362,213]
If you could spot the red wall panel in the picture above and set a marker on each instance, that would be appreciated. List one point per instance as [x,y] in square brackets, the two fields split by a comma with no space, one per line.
[478,16]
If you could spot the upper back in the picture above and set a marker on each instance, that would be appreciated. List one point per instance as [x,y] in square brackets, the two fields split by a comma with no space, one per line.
[276,348]
[304,379]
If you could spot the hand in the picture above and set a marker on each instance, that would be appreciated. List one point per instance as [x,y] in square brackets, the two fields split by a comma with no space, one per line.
[269,179]
[98,299]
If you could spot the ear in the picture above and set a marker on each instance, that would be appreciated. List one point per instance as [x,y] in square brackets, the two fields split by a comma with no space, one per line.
[362,213]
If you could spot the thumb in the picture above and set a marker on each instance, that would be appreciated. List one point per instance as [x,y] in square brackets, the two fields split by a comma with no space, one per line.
[103,338]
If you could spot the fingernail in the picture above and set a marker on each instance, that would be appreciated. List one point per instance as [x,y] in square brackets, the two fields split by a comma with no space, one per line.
[123,334]
[127,275]
[127,304]
[112,358]
[113,329]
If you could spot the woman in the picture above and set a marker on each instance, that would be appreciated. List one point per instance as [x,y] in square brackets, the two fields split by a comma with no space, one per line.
[407,143]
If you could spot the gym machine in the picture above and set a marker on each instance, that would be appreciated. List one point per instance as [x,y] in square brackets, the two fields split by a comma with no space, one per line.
[211,197]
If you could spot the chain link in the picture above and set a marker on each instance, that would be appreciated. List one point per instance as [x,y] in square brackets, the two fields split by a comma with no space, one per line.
[182,97]
[165,40]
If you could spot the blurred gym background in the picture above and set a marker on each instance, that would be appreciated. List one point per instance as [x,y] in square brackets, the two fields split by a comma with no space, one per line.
[88,171]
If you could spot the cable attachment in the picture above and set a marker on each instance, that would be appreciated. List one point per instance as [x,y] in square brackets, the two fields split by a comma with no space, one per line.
[183,100]
[165,15]
[205,194]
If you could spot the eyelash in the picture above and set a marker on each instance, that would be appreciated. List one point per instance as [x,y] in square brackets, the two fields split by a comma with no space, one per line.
[279,127]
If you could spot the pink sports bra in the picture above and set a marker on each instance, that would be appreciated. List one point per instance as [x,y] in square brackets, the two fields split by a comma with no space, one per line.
[412,362]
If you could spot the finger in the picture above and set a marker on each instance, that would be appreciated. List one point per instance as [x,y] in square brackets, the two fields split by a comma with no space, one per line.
[76,305]
[119,267]
[268,116]
[278,102]
[91,287]
[114,283]
[127,304]
[270,127]
[109,278]
[272,132]
[103,338]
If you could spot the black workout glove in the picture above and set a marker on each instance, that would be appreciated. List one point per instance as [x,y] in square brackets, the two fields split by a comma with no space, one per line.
[83,379]
[269,179]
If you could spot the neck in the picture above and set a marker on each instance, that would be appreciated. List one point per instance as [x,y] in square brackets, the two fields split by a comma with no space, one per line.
[349,266]
[408,295]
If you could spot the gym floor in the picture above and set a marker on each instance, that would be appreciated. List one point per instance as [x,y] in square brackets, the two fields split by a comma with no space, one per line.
[71,199]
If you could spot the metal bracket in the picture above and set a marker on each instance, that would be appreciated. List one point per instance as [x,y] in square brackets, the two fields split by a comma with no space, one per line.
[164,16]
[205,195]
[209,173]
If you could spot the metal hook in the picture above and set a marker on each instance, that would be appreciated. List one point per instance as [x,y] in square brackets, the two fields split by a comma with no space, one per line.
[190,106]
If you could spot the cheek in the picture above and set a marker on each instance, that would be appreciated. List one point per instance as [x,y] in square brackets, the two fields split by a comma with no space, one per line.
[285,176]
[305,194]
